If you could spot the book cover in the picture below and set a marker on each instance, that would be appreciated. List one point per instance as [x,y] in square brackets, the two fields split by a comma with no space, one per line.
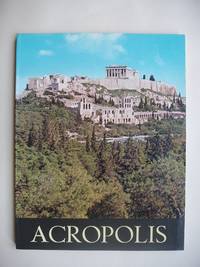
[100,141]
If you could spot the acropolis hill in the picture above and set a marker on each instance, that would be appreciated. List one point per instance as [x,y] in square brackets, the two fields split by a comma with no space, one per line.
[121,97]
[122,77]
[117,77]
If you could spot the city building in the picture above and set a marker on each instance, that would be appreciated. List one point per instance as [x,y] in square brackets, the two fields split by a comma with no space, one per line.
[123,114]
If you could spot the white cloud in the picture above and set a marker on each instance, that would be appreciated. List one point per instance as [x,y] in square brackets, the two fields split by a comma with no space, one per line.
[107,45]
[159,60]
[119,48]
[45,53]
[72,37]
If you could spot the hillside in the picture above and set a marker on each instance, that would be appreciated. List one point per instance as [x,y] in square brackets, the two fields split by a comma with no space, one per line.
[86,177]
[74,90]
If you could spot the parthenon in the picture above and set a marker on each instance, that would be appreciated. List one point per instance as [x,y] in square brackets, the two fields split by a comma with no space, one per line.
[121,72]
[118,71]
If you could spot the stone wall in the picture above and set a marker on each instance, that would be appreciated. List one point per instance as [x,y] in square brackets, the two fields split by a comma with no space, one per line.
[116,83]
[135,83]
[61,82]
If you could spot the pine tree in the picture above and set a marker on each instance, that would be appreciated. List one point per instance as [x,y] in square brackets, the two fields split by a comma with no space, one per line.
[39,140]
[130,161]
[151,78]
[141,154]
[104,139]
[93,139]
[101,160]
[100,120]
[171,107]
[87,144]
[31,136]
[95,99]
[104,161]
[155,149]
[174,98]
[145,103]
[54,135]
[117,152]
[45,127]
[167,144]
[141,104]
[63,140]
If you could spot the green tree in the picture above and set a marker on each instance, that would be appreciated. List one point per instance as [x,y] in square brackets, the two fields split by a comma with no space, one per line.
[167,144]
[45,126]
[95,99]
[174,98]
[155,150]
[63,140]
[40,140]
[151,78]
[104,161]
[141,104]
[146,106]
[130,161]
[112,205]
[93,139]
[87,144]
[31,136]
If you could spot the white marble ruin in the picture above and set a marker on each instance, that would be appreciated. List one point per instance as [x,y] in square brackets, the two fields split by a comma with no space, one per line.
[123,77]
[117,77]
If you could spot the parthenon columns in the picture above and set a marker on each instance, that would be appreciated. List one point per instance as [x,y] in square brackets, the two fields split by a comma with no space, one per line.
[116,72]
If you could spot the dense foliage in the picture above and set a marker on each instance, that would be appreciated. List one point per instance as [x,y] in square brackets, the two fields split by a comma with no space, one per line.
[87,177]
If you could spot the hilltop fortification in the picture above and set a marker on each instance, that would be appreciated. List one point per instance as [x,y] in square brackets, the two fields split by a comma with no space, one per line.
[123,77]
[117,77]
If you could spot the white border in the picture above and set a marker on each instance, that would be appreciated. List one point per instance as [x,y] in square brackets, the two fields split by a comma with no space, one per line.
[141,16]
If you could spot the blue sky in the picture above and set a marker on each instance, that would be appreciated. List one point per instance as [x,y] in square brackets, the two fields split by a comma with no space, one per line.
[89,53]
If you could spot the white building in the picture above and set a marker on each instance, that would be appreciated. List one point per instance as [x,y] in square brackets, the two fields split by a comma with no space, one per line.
[121,72]
[124,114]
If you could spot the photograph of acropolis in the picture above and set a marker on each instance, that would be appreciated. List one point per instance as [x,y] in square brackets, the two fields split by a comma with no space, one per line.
[100,126]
